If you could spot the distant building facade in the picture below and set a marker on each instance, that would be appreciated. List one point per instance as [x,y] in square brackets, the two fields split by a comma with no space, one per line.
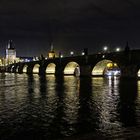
[10,53]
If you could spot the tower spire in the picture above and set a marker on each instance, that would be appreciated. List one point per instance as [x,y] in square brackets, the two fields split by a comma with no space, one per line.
[51,54]
[127,48]
[52,48]
[10,53]
[10,44]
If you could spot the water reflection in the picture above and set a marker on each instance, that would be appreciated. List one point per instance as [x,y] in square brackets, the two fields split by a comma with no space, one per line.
[138,102]
[49,107]
[105,95]
[86,115]
[127,102]
[71,104]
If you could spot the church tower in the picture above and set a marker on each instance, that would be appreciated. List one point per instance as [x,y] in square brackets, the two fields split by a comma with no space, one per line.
[51,54]
[10,53]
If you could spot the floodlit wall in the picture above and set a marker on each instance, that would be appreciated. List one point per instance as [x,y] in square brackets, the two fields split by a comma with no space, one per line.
[36,68]
[70,68]
[50,68]
[25,69]
[99,68]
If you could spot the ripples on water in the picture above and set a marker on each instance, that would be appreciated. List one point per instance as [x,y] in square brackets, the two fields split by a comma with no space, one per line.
[49,107]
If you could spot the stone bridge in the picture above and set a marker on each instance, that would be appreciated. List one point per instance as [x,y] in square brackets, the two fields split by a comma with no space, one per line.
[89,65]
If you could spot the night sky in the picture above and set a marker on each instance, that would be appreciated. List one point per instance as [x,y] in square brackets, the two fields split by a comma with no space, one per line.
[70,24]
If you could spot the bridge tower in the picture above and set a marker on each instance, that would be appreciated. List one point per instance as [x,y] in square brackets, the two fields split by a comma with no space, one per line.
[10,53]
[51,54]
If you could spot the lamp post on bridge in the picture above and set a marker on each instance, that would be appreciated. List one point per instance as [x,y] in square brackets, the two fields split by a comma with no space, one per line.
[117,49]
[85,53]
[71,53]
[105,48]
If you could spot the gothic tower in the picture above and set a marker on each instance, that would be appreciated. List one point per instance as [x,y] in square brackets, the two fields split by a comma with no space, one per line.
[10,53]
[51,54]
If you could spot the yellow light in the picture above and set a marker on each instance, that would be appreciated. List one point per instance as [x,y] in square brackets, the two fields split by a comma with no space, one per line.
[139,73]
[25,69]
[50,68]
[51,55]
[36,68]
[115,65]
[109,65]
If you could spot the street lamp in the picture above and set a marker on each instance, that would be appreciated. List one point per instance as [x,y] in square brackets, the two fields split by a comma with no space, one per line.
[83,53]
[71,53]
[105,48]
[117,49]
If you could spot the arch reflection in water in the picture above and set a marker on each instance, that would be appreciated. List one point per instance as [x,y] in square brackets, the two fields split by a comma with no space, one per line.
[42,105]
[138,101]
[106,98]
[71,104]
[49,99]
[33,85]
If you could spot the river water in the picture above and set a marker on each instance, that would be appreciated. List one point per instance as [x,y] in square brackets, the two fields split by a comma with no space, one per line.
[48,107]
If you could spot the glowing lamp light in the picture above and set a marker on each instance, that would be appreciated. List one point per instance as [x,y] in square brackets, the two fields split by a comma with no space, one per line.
[83,53]
[103,56]
[61,56]
[117,49]
[105,48]
[109,65]
[71,53]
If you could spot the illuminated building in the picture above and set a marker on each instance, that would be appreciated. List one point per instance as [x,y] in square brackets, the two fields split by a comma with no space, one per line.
[10,53]
[51,54]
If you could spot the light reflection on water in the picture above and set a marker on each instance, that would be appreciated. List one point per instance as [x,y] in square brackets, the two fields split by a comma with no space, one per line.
[106,98]
[40,107]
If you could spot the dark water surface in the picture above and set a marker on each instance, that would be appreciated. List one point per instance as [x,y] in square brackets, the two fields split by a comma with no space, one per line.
[49,107]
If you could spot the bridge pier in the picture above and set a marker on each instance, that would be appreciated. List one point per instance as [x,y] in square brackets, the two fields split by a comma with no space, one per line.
[129,71]
[85,70]
[30,70]
[42,70]
[59,71]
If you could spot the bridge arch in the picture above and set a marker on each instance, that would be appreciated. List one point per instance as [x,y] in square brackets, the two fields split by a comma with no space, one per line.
[36,68]
[138,74]
[50,69]
[105,67]
[72,68]
[25,67]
